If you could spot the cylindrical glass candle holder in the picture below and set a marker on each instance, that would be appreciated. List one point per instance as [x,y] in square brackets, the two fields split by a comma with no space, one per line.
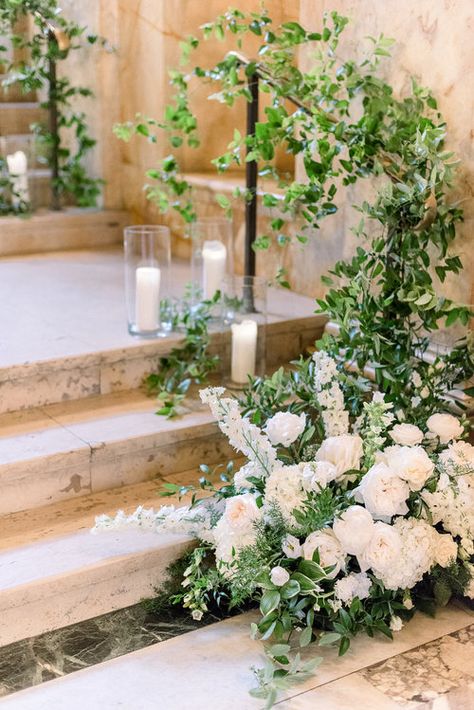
[212,255]
[147,251]
[244,320]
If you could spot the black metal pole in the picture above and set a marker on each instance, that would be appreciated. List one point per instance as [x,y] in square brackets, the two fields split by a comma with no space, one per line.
[53,128]
[251,182]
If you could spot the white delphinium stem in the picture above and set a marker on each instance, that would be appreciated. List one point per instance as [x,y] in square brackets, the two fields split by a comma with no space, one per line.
[185,520]
[242,434]
[329,395]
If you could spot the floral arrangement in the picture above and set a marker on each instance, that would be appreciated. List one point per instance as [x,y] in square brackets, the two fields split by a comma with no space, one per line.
[335,524]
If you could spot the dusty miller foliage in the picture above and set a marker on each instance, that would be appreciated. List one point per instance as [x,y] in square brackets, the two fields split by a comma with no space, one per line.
[349,126]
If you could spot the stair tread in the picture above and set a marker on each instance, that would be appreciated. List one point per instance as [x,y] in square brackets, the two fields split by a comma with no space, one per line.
[72,303]
[185,672]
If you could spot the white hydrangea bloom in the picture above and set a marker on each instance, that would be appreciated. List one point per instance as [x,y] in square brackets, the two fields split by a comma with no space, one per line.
[452,504]
[356,584]
[284,488]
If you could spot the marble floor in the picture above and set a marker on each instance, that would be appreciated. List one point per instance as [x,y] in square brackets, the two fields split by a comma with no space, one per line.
[57,653]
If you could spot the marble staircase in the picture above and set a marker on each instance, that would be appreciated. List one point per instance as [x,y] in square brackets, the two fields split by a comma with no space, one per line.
[78,436]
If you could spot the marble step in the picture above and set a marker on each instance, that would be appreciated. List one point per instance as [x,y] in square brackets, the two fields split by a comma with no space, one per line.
[71,228]
[54,572]
[65,317]
[13,93]
[17,117]
[67,451]
[209,669]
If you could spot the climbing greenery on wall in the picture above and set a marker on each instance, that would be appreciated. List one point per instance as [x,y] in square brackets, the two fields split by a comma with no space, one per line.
[348,125]
[33,74]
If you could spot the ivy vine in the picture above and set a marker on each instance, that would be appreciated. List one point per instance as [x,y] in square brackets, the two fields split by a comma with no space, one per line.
[33,75]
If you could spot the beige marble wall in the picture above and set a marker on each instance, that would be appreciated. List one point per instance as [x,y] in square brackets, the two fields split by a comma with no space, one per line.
[434,43]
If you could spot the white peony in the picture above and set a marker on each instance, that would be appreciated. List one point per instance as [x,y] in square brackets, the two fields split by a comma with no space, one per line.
[284,489]
[383,550]
[383,492]
[406,434]
[329,548]
[279,576]
[344,452]
[356,584]
[411,463]
[445,427]
[291,547]
[284,428]
[317,474]
[446,550]
[354,529]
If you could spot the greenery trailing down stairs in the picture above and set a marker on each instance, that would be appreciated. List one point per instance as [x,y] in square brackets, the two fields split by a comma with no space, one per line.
[350,126]
[51,42]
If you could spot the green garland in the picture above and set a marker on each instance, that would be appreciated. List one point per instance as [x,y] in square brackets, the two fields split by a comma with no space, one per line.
[33,75]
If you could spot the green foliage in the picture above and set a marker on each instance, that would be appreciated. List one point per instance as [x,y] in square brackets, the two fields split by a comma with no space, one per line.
[33,75]
[187,364]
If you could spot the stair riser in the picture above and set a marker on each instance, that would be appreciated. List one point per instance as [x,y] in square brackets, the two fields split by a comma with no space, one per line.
[103,373]
[62,600]
[55,231]
[45,480]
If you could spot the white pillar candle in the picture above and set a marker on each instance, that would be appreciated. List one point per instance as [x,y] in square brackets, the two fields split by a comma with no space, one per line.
[244,350]
[214,257]
[18,167]
[147,298]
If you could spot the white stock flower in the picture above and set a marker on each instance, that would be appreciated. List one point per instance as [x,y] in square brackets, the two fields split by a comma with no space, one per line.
[406,434]
[329,548]
[291,547]
[396,624]
[383,549]
[279,576]
[344,452]
[317,474]
[445,427]
[356,584]
[446,550]
[383,492]
[284,488]
[354,529]
[284,428]
[411,463]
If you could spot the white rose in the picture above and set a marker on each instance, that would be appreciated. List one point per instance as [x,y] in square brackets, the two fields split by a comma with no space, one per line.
[354,529]
[445,426]
[241,511]
[383,492]
[344,452]
[279,576]
[284,428]
[411,463]
[317,474]
[406,434]
[383,550]
[396,624]
[291,547]
[446,550]
[330,551]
